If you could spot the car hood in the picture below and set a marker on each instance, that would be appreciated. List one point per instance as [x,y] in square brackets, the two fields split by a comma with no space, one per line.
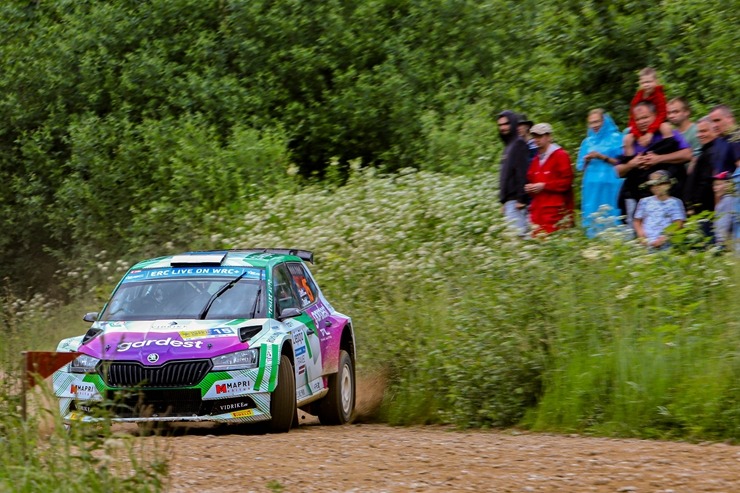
[156,342]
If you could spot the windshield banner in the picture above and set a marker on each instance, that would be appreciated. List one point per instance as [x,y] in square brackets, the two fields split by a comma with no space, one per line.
[168,273]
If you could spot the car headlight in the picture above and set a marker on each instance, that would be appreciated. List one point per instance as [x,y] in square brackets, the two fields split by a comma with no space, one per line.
[240,360]
[83,364]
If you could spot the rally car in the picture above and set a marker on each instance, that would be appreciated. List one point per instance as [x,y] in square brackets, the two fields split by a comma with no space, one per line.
[224,336]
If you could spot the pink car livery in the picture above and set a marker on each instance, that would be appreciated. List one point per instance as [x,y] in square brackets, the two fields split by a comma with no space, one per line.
[223,336]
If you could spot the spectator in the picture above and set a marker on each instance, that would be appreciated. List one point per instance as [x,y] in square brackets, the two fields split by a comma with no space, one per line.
[724,208]
[523,128]
[698,193]
[724,120]
[550,183]
[668,154]
[736,213]
[513,173]
[597,157]
[652,92]
[679,114]
[654,214]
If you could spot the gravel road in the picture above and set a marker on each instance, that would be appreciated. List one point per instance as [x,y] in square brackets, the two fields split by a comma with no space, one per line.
[380,458]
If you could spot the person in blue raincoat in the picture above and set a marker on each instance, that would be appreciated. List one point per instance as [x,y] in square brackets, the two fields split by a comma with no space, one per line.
[601,184]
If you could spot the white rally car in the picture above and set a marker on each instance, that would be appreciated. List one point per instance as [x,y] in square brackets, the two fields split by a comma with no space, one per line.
[226,336]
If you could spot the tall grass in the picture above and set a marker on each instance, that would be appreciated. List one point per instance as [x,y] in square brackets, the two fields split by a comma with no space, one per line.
[479,328]
[38,453]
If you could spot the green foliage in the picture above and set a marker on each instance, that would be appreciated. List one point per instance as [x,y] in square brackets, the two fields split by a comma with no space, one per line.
[121,122]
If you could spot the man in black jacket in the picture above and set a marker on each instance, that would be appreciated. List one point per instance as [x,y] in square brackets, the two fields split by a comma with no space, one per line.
[513,173]
[699,191]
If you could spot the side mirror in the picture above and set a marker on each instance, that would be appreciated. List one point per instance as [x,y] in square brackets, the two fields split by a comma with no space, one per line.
[289,313]
[90,317]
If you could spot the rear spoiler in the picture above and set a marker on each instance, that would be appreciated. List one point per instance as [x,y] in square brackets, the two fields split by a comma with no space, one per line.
[305,255]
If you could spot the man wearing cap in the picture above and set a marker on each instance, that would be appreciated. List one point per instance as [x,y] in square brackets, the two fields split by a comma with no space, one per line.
[724,207]
[523,128]
[550,183]
[513,172]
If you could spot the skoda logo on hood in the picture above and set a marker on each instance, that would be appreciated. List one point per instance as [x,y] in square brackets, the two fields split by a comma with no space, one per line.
[152,358]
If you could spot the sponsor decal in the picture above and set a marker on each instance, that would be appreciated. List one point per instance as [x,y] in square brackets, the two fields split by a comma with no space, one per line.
[205,333]
[301,393]
[319,313]
[82,390]
[231,406]
[298,339]
[301,369]
[233,386]
[250,272]
[300,350]
[243,413]
[164,325]
[316,386]
[125,346]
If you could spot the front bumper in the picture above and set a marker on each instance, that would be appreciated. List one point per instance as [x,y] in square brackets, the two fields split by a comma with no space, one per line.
[219,396]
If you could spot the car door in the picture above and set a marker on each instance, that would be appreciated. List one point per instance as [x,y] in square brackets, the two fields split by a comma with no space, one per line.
[306,345]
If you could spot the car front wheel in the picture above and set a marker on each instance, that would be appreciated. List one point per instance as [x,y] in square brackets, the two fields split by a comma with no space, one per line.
[337,406]
[283,401]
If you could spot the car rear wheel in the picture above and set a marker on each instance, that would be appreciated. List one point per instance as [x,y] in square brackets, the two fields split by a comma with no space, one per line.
[338,405]
[283,400]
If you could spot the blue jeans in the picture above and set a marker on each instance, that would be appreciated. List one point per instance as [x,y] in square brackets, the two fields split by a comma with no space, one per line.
[517,218]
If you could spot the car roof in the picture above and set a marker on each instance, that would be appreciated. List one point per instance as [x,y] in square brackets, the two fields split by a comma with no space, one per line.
[249,257]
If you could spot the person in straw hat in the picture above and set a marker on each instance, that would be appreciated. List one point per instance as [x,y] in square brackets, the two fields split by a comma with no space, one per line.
[654,214]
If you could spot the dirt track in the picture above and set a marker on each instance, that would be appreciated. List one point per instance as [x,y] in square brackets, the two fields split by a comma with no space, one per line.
[379,458]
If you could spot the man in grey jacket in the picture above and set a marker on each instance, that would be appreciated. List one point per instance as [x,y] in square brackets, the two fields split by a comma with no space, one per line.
[513,173]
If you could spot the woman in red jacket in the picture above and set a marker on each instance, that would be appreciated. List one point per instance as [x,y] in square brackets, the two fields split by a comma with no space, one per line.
[550,183]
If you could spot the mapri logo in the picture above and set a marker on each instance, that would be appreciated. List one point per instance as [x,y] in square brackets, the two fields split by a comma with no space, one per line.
[237,386]
[152,358]
[81,389]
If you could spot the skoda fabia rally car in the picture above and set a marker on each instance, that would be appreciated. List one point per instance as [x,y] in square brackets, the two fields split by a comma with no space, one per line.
[225,336]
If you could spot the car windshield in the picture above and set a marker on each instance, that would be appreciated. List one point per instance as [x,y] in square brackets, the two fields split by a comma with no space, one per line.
[187,298]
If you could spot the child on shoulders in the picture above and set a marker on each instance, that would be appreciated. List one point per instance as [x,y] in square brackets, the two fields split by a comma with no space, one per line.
[651,91]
